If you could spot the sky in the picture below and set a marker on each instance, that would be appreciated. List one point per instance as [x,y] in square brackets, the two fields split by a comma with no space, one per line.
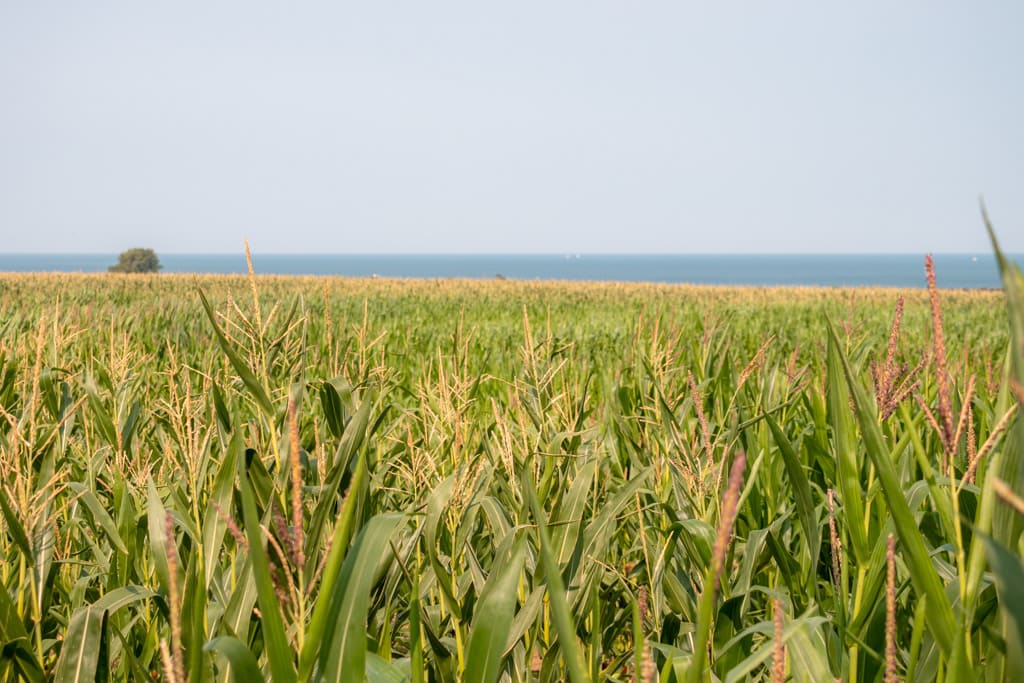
[525,127]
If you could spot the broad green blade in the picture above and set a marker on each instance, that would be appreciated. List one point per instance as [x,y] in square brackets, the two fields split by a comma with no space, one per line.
[157,525]
[1008,570]
[355,434]
[343,648]
[278,648]
[1006,524]
[214,525]
[846,451]
[492,618]
[220,407]
[379,670]
[339,549]
[120,597]
[244,666]
[80,651]
[15,528]
[556,592]
[333,409]
[15,643]
[570,512]
[801,492]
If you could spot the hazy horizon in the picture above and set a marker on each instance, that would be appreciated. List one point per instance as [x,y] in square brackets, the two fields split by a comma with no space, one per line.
[458,128]
[241,253]
[956,271]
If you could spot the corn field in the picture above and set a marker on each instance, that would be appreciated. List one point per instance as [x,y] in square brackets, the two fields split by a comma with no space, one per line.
[293,479]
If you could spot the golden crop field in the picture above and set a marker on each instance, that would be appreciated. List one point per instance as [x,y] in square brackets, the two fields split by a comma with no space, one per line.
[291,479]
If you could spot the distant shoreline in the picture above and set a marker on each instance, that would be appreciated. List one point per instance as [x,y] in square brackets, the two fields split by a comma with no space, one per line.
[955,271]
[510,283]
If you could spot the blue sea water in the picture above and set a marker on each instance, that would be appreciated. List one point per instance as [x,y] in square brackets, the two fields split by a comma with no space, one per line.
[839,270]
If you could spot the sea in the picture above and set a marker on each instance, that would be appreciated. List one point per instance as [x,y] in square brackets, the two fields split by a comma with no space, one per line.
[957,271]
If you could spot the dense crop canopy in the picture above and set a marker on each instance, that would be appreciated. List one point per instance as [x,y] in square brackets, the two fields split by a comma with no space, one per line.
[327,479]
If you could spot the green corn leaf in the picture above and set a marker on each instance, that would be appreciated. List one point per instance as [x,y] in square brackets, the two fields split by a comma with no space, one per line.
[805,657]
[525,618]
[560,612]
[80,651]
[436,505]
[846,451]
[333,409]
[598,536]
[102,419]
[220,407]
[355,434]
[565,536]
[239,608]
[316,632]
[801,492]
[80,654]
[244,665]
[1008,570]
[379,670]
[99,514]
[157,523]
[991,518]
[415,633]
[130,425]
[18,659]
[350,597]
[279,651]
[121,597]
[214,526]
[1013,286]
[195,603]
[15,529]
[1007,525]
[492,618]
[240,366]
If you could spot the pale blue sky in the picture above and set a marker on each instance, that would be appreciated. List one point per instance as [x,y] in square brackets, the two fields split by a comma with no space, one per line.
[525,127]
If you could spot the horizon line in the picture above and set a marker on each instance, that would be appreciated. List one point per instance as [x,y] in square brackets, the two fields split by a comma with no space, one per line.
[571,254]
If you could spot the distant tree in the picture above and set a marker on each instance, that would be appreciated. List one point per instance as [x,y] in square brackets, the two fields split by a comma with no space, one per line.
[137,261]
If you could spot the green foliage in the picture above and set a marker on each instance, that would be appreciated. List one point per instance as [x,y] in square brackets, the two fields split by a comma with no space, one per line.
[136,260]
[499,481]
